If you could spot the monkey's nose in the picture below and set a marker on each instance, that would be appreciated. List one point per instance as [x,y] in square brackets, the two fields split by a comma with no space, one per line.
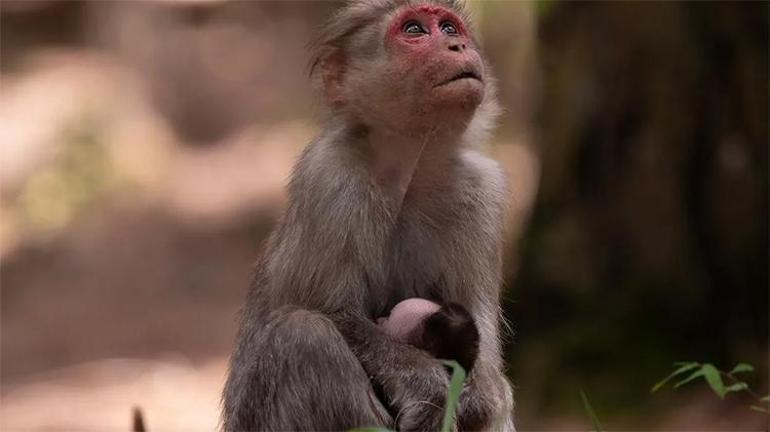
[457,47]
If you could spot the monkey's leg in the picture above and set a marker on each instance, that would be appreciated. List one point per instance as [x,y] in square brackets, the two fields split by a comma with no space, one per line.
[298,373]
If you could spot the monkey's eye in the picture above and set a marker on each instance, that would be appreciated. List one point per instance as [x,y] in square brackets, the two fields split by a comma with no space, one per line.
[413,27]
[448,28]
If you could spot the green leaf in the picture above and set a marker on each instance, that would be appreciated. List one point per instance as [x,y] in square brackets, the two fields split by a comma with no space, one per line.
[765,399]
[711,374]
[683,367]
[692,376]
[739,386]
[590,411]
[741,367]
[760,409]
[453,394]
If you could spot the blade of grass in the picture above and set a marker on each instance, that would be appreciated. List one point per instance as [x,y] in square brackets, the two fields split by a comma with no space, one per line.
[692,376]
[714,380]
[591,414]
[737,387]
[453,394]
[683,367]
[741,367]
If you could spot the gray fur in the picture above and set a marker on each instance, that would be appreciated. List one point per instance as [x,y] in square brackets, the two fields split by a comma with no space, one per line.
[309,355]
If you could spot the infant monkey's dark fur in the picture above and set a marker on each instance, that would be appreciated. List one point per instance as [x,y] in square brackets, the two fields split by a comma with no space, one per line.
[451,334]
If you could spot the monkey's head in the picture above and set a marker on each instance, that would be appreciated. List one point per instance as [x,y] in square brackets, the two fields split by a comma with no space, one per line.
[403,64]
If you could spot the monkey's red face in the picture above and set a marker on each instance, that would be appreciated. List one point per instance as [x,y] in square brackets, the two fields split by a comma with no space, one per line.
[434,57]
[420,70]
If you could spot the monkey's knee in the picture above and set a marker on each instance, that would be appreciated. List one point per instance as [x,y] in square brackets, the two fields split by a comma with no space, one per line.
[313,326]
[309,334]
[303,376]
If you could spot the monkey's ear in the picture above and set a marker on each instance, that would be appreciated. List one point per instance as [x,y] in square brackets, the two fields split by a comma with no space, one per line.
[332,74]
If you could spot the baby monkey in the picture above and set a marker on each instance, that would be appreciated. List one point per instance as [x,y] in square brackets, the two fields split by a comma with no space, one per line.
[446,332]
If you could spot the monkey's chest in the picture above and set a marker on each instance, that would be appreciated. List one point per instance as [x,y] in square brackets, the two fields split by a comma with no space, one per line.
[414,266]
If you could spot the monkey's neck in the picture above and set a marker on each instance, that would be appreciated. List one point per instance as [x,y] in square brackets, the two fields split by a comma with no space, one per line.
[403,163]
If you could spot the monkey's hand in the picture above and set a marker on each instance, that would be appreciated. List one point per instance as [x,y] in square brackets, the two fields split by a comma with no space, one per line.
[486,402]
[418,396]
[414,384]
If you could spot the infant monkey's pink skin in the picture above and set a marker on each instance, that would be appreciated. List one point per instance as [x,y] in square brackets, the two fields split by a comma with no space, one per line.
[406,316]
[446,332]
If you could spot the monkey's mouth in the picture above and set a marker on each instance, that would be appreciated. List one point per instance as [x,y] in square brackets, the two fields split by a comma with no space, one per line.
[466,74]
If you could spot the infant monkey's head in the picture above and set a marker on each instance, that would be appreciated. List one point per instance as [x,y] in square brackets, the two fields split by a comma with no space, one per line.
[447,332]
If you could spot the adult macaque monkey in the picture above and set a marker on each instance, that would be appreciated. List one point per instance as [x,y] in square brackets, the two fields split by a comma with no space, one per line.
[393,200]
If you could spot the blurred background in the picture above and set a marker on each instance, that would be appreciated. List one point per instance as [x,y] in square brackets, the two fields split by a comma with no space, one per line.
[145,146]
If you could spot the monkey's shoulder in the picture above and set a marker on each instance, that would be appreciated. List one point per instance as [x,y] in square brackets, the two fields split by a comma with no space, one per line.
[324,170]
[482,180]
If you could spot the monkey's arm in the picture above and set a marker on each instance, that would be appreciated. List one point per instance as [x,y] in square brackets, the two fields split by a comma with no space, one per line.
[413,382]
[487,400]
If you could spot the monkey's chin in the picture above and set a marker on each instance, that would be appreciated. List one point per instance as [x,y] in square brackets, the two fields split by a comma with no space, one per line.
[463,94]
